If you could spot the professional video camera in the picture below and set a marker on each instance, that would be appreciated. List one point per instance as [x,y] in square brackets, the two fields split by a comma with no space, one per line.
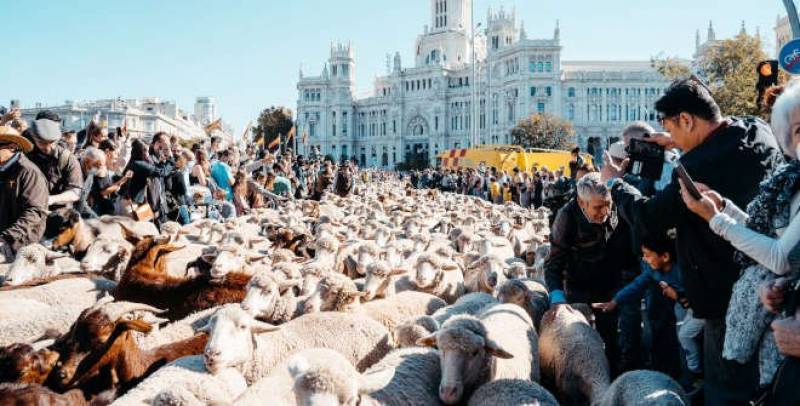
[646,158]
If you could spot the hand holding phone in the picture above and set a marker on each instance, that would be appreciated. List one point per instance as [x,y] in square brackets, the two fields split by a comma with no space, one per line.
[687,181]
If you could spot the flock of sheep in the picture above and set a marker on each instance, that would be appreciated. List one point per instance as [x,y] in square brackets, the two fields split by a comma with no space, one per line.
[389,296]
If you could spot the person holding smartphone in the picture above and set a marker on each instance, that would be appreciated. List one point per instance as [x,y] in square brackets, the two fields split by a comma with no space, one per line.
[733,156]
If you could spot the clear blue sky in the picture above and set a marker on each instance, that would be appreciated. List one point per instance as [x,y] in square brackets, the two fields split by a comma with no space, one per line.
[246,53]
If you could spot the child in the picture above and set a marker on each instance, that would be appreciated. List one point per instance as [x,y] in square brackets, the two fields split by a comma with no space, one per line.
[658,252]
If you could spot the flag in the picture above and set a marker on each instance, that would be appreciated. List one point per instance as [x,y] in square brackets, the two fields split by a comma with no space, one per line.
[290,136]
[274,143]
[305,137]
[214,125]
[246,131]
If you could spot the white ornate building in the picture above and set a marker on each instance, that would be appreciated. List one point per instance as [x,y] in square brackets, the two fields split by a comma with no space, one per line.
[144,116]
[427,108]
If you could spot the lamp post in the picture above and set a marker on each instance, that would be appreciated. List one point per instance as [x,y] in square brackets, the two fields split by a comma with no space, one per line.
[474,87]
[794,21]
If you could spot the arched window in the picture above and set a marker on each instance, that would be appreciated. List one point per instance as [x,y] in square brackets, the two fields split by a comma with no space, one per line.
[419,130]
[540,67]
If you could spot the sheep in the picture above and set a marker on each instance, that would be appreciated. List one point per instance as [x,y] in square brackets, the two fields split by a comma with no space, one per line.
[382,281]
[334,292]
[21,363]
[266,298]
[438,277]
[512,392]
[485,274]
[35,263]
[100,352]
[528,294]
[368,252]
[500,343]
[408,332]
[236,340]
[72,231]
[187,379]
[572,355]
[496,246]
[108,257]
[643,388]
[32,394]
[175,331]
[404,377]
[26,314]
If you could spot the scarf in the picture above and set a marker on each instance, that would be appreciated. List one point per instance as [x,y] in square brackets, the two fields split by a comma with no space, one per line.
[771,209]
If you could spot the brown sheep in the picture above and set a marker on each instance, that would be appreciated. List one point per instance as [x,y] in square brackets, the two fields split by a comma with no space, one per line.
[146,281]
[14,394]
[100,351]
[20,363]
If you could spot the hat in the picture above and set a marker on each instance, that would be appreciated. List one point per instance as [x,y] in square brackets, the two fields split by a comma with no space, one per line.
[617,150]
[46,130]
[10,135]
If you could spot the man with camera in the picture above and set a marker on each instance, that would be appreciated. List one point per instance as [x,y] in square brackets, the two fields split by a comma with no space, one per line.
[731,155]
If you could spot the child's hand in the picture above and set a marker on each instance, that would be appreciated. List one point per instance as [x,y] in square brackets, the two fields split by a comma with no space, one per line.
[668,291]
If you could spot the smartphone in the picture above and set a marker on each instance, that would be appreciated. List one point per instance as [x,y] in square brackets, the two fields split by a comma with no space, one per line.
[687,181]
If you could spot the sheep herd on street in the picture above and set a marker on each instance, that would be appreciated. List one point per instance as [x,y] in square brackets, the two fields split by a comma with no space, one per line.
[391,295]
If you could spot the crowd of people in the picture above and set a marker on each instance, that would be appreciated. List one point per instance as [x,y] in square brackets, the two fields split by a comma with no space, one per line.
[99,172]
[716,270]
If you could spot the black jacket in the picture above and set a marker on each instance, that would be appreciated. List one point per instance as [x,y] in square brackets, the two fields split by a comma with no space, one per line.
[586,258]
[23,203]
[732,161]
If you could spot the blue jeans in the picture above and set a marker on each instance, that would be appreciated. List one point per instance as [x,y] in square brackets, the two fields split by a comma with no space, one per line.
[688,333]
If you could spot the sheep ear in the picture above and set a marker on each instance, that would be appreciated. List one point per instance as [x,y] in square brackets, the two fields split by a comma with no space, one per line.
[259,327]
[356,293]
[428,341]
[254,258]
[397,272]
[494,349]
[450,266]
[136,325]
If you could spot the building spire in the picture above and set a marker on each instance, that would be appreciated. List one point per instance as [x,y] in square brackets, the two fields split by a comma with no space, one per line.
[557,33]
[697,41]
[712,36]
[743,30]
[522,34]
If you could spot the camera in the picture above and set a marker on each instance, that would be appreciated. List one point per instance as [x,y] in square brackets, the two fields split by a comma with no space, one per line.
[646,159]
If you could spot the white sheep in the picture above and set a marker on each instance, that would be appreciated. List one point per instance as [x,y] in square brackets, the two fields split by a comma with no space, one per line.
[485,274]
[438,276]
[500,343]
[512,392]
[403,377]
[26,313]
[643,388]
[269,297]
[237,340]
[529,294]
[408,332]
[184,378]
[36,263]
[382,281]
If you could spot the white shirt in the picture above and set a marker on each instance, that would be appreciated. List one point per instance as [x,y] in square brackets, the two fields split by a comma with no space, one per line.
[769,252]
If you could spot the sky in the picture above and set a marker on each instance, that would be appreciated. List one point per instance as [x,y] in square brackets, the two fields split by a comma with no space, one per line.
[247,53]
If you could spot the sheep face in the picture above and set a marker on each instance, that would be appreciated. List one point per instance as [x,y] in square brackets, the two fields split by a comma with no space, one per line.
[379,279]
[464,353]
[426,274]
[263,291]
[365,258]
[321,386]
[107,256]
[231,333]
[407,333]
[20,363]
[491,272]
[512,292]
[62,227]
[30,264]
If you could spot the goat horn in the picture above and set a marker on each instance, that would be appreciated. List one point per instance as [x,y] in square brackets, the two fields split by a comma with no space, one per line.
[119,309]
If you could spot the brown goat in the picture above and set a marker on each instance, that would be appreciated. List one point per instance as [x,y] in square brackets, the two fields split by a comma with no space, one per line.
[146,281]
[100,352]
[20,363]
[15,394]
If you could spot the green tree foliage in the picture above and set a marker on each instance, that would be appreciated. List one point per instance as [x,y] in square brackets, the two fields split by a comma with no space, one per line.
[544,130]
[728,67]
[273,121]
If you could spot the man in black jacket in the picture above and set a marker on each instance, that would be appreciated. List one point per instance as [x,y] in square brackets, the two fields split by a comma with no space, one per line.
[731,155]
[590,250]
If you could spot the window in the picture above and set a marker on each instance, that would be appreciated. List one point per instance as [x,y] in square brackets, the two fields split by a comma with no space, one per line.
[345,70]
[344,123]
[533,91]
[540,67]
[548,66]
[334,70]
[540,107]
[549,91]
[333,126]
[571,92]
[571,112]
[495,42]
[436,123]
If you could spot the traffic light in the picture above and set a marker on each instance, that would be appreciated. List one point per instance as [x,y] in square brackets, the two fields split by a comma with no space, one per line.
[767,76]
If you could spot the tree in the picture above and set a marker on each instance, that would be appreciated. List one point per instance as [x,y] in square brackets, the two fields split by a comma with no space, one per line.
[728,68]
[272,122]
[544,130]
